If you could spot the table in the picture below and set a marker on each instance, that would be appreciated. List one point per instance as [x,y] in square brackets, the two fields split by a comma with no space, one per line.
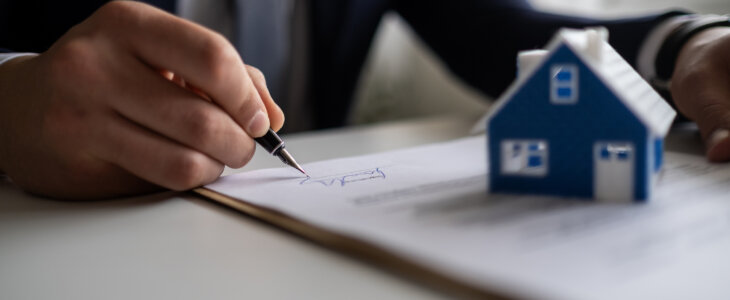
[179,246]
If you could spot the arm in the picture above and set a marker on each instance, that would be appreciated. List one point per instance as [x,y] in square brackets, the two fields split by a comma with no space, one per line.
[479,39]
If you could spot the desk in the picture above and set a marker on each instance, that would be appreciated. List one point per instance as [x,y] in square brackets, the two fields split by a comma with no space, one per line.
[179,246]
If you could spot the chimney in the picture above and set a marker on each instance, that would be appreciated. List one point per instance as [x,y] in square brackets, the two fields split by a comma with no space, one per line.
[596,37]
[528,60]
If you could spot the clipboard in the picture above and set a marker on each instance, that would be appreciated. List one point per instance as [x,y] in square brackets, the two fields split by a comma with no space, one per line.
[357,248]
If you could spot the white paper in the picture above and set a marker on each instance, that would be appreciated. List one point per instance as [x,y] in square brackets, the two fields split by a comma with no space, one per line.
[431,204]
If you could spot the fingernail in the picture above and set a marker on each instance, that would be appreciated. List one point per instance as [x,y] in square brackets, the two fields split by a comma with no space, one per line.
[258,125]
[716,137]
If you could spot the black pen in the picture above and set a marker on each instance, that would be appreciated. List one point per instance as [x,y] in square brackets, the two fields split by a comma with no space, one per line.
[275,145]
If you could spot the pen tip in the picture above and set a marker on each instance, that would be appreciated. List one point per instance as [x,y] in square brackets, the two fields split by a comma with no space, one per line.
[303,172]
[289,160]
[298,167]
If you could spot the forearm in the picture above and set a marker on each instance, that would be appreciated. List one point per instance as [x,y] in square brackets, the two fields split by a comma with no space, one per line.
[479,40]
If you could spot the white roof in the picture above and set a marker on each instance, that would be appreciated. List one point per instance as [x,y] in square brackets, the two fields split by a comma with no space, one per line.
[617,74]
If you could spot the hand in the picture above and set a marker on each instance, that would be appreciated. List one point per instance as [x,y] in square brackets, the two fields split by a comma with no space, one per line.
[701,88]
[131,100]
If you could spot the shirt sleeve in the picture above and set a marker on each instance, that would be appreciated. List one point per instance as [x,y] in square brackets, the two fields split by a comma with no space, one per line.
[653,42]
[4,57]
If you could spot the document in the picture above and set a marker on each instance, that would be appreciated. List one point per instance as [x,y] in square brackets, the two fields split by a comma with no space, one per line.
[431,205]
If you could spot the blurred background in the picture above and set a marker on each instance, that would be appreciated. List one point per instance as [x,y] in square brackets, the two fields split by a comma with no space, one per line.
[403,79]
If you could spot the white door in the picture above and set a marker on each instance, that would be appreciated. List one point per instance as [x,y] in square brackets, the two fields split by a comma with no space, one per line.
[613,171]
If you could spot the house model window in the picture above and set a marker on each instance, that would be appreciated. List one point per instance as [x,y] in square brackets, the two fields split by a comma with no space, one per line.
[563,84]
[524,157]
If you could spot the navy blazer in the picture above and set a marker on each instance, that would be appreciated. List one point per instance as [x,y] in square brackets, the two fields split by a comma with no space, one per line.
[477,39]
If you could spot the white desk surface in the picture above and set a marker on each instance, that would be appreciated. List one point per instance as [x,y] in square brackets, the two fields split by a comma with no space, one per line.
[179,246]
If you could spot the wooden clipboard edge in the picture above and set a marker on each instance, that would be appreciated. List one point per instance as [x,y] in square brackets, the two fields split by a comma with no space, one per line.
[352,246]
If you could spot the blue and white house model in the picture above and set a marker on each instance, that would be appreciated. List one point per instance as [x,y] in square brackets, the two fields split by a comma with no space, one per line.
[579,121]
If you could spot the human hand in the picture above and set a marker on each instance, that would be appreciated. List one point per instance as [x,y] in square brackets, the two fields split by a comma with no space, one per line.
[130,100]
[701,88]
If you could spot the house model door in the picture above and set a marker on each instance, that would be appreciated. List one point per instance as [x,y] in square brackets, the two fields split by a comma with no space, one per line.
[613,171]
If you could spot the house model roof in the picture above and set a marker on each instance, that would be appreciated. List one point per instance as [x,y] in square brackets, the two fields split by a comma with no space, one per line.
[617,74]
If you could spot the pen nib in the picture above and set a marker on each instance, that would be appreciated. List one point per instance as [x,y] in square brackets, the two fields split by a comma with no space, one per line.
[289,160]
[298,167]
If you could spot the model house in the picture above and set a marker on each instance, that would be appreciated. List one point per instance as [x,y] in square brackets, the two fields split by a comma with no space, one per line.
[579,121]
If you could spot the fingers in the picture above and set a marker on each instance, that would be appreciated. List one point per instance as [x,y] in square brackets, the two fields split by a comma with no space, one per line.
[201,56]
[131,94]
[167,108]
[155,159]
[701,88]
[276,116]
[713,120]
[706,100]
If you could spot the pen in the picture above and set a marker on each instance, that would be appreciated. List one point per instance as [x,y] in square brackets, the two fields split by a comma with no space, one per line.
[275,145]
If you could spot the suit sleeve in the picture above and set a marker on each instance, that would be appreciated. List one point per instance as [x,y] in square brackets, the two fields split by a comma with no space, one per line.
[479,39]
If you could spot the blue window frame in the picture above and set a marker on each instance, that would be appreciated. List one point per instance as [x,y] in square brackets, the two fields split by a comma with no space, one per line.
[563,84]
[534,161]
[524,157]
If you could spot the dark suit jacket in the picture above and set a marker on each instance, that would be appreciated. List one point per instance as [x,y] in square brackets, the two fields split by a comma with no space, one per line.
[477,39]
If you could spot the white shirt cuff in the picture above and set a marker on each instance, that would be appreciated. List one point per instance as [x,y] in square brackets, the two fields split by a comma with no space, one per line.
[4,57]
[653,42]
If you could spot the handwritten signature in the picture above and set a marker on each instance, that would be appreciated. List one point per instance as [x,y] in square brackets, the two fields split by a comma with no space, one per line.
[343,179]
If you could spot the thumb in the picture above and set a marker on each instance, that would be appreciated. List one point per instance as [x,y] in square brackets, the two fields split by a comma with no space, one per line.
[706,100]
[709,106]
[718,145]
